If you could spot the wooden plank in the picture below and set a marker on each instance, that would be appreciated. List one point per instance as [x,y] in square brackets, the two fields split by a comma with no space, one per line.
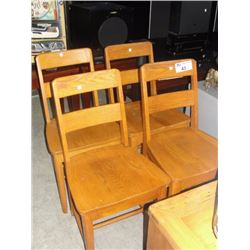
[129,76]
[122,51]
[91,116]
[165,70]
[118,218]
[170,100]
[87,82]
[64,58]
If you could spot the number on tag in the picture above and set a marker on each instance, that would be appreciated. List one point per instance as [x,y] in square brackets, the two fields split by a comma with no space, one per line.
[183,66]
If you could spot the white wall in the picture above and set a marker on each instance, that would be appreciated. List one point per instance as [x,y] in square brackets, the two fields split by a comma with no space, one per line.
[208,110]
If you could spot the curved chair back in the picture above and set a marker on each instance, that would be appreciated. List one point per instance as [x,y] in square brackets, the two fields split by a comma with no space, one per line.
[163,71]
[83,118]
[56,60]
[126,51]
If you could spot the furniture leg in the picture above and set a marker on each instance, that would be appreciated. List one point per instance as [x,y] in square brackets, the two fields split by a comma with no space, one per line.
[145,226]
[71,204]
[88,231]
[60,178]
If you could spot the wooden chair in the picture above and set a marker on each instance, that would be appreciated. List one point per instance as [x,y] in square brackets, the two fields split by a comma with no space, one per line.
[80,140]
[161,121]
[110,179]
[187,155]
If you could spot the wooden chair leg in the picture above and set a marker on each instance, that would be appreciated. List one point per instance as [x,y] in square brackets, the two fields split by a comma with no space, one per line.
[60,178]
[145,226]
[88,231]
[71,205]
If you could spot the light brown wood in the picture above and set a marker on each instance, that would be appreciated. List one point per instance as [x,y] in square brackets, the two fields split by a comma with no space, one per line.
[163,121]
[83,139]
[187,155]
[52,60]
[88,117]
[116,219]
[183,221]
[160,121]
[60,179]
[129,76]
[74,120]
[188,158]
[170,100]
[88,230]
[92,137]
[109,179]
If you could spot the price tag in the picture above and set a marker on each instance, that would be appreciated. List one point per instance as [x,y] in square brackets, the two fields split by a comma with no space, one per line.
[183,66]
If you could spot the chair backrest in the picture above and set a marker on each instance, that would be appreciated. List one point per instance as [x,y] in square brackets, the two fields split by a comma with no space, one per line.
[167,70]
[83,83]
[126,51]
[55,60]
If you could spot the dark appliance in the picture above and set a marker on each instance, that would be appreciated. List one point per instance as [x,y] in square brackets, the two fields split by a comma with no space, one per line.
[98,24]
[189,26]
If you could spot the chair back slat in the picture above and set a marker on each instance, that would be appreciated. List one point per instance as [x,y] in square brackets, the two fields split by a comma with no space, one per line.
[170,100]
[167,70]
[87,82]
[64,58]
[51,60]
[128,50]
[130,76]
[82,83]
[91,117]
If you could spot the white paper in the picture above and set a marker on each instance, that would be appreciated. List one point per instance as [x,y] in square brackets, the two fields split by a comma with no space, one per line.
[183,66]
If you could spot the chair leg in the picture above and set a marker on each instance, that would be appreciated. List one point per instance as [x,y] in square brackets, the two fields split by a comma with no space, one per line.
[60,178]
[71,205]
[88,231]
[145,226]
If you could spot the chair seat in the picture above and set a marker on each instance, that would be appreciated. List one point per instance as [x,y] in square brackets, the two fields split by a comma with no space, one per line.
[189,157]
[91,137]
[160,121]
[98,180]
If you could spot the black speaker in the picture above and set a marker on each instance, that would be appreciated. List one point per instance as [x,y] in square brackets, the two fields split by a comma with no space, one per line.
[190,17]
[98,24]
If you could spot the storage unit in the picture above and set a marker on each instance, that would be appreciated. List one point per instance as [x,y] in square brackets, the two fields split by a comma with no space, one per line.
[48,26]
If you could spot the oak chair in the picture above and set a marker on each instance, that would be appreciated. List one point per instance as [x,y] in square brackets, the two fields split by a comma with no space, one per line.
[80,140]
[165,120]
[109,179]
[187,155]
